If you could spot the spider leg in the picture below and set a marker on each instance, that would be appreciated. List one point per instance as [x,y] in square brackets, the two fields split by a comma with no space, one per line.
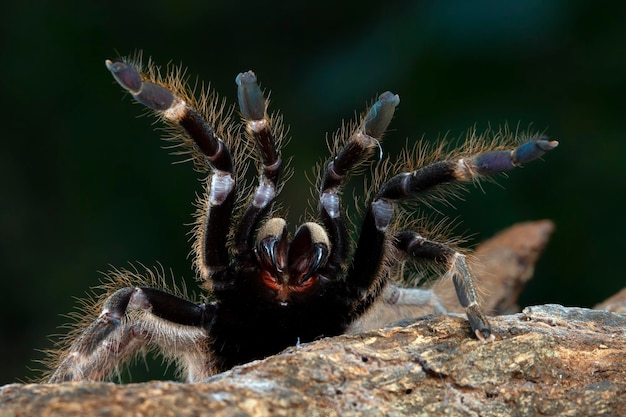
[132,318]
[417,297]
[211,250]
[253,108]
[418,247]
[369,269]
[358,148]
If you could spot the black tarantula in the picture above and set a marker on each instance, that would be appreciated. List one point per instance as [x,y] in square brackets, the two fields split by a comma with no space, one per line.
[270,290]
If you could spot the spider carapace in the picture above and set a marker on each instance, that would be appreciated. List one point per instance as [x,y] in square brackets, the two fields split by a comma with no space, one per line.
[268,289]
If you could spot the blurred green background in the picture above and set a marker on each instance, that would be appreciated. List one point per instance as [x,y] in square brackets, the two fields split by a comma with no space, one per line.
[86,185]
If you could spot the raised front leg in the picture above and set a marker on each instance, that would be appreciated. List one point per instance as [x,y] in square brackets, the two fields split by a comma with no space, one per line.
[358,148]
[259,128]
[213,225]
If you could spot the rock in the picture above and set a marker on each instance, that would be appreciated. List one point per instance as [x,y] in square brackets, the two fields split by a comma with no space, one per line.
[548,360]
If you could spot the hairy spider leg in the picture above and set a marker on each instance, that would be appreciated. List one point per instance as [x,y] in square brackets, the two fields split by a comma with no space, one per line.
[420,248]
[368,271]
[115,336]
[211,251]
[253,107]
[358,148]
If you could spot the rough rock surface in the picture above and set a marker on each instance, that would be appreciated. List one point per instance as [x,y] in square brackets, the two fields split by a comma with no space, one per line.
[548,361]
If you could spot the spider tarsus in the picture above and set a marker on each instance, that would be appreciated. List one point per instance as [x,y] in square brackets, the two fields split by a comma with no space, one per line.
[125,75]
[478,322]
[485,336]
[251,100]
[149,94]
[252,105]
[532,150]
[380,114]
[494,162]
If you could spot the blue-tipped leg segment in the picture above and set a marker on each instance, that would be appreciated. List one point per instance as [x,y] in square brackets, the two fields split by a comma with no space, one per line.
[380,114]
[149,94]
[416,183]
[533,150]
[125,75]
[252,105]
[500,161]
[211,251]
[251,100]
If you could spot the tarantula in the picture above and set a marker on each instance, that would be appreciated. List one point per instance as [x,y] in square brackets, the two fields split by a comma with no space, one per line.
[269,289]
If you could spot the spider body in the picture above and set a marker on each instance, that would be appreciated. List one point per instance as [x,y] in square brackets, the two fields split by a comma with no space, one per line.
[270,290]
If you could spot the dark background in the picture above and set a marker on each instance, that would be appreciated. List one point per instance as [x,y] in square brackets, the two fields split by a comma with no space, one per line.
[85,184]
